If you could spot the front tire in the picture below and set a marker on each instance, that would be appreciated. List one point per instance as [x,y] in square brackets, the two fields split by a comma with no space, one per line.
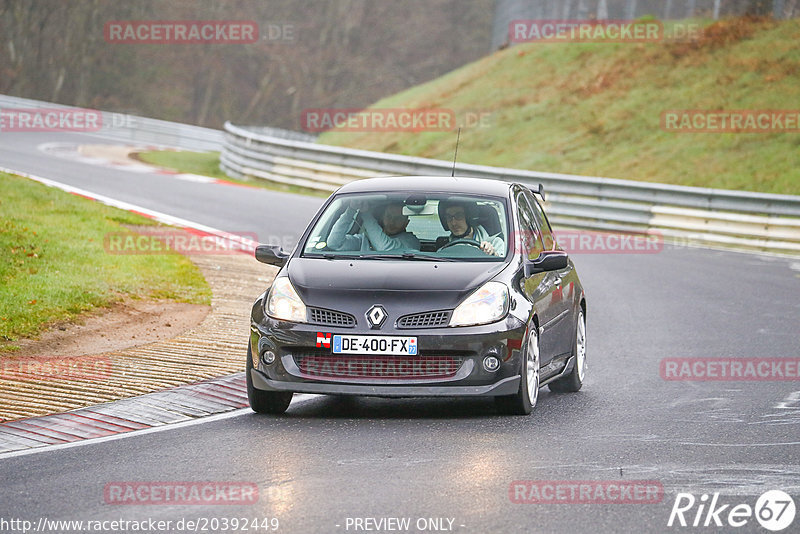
[573,381]
[267,402]
[524,401]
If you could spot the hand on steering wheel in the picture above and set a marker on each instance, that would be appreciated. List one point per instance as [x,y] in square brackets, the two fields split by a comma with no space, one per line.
[485,247]
[462,241]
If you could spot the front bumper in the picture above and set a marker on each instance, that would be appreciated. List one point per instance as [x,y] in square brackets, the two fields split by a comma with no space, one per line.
[507,386]
[468,345]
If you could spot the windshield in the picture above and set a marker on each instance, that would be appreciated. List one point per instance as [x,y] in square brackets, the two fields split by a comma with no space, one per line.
[411,226]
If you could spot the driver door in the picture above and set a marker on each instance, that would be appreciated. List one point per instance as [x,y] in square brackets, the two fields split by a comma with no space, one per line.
[539,288]
[562,281]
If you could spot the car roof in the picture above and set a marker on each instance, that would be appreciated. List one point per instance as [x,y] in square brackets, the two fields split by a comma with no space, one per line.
[446,184]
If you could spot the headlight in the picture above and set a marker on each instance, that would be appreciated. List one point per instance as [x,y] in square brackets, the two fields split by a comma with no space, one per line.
[486,305]
[284,303]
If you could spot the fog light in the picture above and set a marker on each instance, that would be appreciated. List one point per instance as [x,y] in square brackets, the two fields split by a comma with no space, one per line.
[268,357]
[491,363]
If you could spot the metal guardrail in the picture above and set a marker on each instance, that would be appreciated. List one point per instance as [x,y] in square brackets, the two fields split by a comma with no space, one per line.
[715,216]
[135,129]
[280,133]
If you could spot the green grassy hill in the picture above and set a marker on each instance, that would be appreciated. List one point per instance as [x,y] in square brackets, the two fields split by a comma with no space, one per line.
[595,109]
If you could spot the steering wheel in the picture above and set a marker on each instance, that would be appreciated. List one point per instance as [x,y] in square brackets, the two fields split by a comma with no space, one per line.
[461,241]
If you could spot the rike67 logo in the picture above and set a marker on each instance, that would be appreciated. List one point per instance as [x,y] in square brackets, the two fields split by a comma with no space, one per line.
[774,510]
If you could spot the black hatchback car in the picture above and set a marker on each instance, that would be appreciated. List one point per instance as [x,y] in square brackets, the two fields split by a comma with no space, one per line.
[420,286]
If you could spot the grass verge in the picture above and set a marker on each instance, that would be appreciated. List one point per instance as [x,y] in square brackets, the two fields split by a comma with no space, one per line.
[54,265]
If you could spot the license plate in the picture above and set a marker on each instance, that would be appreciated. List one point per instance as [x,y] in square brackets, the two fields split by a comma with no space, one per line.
[388,345]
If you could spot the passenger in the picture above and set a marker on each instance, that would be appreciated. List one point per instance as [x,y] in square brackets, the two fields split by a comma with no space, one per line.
[386,235]
[459,218]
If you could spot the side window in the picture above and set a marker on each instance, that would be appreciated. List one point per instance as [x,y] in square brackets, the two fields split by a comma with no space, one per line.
[529,240]
[541,221]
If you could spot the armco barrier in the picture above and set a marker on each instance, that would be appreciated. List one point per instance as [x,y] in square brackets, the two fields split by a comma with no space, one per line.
[710,216]
[142,130]
[134,129]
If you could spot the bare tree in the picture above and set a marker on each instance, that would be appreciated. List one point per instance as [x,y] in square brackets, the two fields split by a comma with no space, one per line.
[630,9]
[602,10]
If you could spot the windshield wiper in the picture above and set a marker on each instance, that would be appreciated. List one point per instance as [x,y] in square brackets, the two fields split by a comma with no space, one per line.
[406,256]
[332,256]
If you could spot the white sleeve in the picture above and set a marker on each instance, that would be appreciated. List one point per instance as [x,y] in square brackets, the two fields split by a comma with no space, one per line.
[338,238]
[379,240]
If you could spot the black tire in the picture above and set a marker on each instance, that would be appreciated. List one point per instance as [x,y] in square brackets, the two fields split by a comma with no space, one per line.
[574,380]
[267,402]
[524,400]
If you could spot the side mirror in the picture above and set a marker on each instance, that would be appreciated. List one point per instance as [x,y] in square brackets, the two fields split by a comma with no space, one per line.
[271,255]
[551,260]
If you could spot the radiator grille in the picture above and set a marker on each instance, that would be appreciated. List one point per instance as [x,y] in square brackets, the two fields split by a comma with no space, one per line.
[425,320]
[396,367]
[331,318]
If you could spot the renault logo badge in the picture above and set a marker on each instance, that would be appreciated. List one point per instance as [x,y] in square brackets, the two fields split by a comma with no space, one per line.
[376,316]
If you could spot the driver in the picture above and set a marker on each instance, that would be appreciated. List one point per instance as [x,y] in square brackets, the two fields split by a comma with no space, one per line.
[386,234]
[459,216]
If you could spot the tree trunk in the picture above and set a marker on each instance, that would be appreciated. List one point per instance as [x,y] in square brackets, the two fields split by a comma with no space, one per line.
[602,10]
[630,9]
[566,13]
[583,10]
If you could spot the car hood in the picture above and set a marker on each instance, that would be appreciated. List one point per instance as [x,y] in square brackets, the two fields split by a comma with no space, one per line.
[350,285]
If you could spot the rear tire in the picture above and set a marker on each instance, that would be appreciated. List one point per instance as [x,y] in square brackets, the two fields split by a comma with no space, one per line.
[267,402]
[524,401]
[574,380]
